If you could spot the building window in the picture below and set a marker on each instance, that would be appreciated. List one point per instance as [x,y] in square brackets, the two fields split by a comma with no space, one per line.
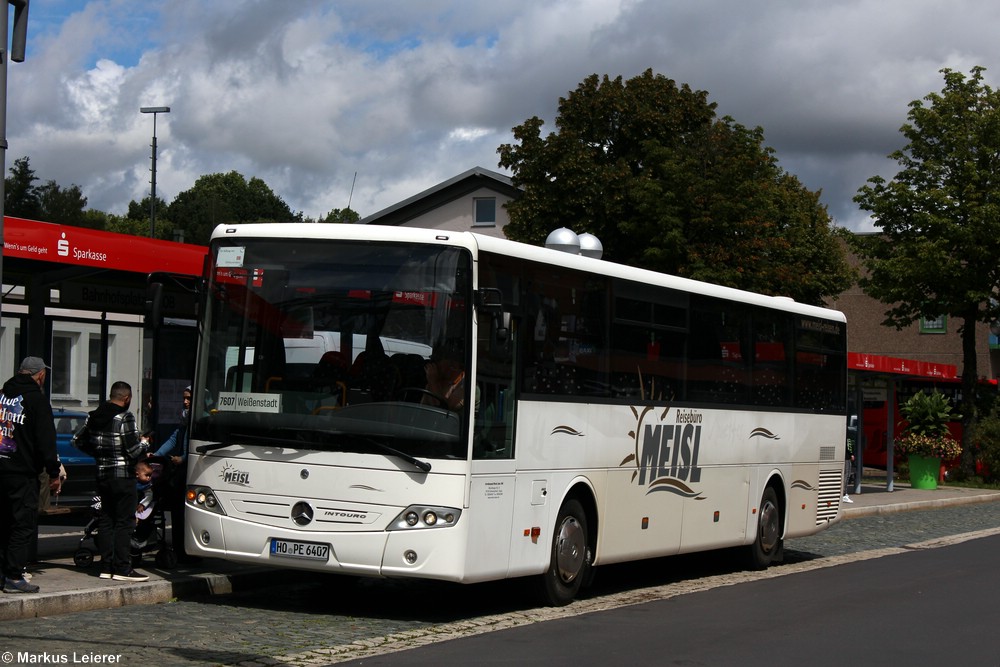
[485,213]
[62,365]
[93,362]
[936,325]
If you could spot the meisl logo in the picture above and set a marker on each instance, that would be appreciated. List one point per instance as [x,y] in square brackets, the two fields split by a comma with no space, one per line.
[666,451]
[62,246]
[231,475]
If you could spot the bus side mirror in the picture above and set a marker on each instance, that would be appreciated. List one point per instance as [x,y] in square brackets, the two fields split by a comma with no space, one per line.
[490,300]
[501,330]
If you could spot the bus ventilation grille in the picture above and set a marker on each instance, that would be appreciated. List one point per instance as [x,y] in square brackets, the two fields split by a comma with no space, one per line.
[828,453]
[828,501]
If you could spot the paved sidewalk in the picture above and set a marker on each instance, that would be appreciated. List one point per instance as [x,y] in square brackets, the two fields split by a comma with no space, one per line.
[66,588]
[876,499]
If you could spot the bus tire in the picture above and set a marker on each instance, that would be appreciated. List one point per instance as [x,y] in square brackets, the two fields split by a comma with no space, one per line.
[570,557]
[767,543]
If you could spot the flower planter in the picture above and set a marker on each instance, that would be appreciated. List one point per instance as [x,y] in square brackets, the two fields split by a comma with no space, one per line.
[924,471]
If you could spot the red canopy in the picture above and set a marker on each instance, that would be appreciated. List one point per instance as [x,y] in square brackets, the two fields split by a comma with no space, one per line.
[879,364]
[78,246]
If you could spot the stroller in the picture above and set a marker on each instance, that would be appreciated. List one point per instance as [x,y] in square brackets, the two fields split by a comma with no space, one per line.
[150,532]
[84,555]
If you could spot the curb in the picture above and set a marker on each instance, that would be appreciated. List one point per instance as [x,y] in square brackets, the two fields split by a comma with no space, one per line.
[21,606]
[857,512]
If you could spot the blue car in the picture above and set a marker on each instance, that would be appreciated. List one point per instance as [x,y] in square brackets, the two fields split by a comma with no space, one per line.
[80,486]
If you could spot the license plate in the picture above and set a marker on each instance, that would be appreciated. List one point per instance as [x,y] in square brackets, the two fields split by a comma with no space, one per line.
[294,549]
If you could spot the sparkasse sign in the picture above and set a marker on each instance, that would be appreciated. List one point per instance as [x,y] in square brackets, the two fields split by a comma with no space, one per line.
[79,246]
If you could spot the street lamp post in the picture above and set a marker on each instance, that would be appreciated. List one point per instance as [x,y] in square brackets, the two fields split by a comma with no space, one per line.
[152,180]
[18,40]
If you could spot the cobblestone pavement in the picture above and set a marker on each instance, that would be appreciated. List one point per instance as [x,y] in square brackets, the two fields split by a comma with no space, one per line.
[339,619]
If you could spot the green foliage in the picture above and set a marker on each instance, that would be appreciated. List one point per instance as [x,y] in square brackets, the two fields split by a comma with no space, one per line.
[125,225]
[647,167]
[940,215]
[214,199]
[218,199]
[985,439]
[94,219]
[21,198]
[344,215]
[945,448]
[927,434]
[63,206]
[928,413]
[48,202]
[936,253]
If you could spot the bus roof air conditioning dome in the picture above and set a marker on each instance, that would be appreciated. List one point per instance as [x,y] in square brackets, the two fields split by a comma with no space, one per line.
[564,240]
[590,246]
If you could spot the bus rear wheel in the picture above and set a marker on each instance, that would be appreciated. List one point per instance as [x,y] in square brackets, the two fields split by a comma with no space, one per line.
[569,562]
[767,544]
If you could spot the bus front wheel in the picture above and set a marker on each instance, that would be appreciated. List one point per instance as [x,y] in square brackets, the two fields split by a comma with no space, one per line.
[570,558]
[767,544]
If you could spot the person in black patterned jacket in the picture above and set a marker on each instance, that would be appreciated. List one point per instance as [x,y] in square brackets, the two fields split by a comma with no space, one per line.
[115,441]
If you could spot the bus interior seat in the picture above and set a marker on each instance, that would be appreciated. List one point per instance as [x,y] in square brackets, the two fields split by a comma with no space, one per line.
[411,369]
[374,376]
[331,365]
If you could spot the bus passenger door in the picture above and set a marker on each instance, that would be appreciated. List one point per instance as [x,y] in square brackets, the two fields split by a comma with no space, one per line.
[493,434]
[492,490]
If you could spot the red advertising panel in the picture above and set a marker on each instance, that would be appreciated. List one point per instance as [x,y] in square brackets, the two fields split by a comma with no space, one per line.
[879,364]
[78,246]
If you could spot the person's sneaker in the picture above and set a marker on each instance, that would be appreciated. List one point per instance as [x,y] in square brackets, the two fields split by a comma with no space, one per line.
[106,574]
[847,499]
[18,586]
[131,575]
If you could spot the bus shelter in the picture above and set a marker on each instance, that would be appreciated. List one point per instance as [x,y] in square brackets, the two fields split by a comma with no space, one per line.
[77,297]
[877,386]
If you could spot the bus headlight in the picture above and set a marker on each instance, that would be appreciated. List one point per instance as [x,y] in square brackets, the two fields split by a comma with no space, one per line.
[423,516]
[204,498]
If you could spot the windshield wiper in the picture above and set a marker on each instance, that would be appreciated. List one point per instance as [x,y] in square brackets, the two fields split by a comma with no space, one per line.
[412,460]
[212,446]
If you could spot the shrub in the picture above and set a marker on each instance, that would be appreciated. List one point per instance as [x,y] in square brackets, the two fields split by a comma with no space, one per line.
[985,436]
[943,447]
[928,414]
[926,433]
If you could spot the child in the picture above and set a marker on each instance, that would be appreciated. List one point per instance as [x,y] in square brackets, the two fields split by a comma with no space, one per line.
[144,487]
[144,472]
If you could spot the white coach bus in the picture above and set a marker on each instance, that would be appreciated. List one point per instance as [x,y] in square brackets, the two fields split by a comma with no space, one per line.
[481,409]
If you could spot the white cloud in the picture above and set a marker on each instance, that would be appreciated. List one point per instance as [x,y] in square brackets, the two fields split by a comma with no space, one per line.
[306,94]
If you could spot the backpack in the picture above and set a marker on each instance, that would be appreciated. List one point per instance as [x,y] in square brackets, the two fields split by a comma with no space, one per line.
[81,439]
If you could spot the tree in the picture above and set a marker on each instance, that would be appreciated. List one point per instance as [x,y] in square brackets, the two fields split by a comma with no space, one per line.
[20,195]
[939,216]
[347,215]
[128,225]
[647,167]
[137,218]
[225,198]
[63,206]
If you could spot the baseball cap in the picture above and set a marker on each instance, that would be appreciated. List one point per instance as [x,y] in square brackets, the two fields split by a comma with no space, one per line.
[33,365]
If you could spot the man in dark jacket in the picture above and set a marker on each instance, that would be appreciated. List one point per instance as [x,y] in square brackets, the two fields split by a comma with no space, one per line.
[27,447]
[114,439]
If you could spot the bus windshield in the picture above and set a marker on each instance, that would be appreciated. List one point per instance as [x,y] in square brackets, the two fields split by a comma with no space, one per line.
[336,346]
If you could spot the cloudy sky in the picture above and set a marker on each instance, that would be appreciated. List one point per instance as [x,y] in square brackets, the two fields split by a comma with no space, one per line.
[368,102]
